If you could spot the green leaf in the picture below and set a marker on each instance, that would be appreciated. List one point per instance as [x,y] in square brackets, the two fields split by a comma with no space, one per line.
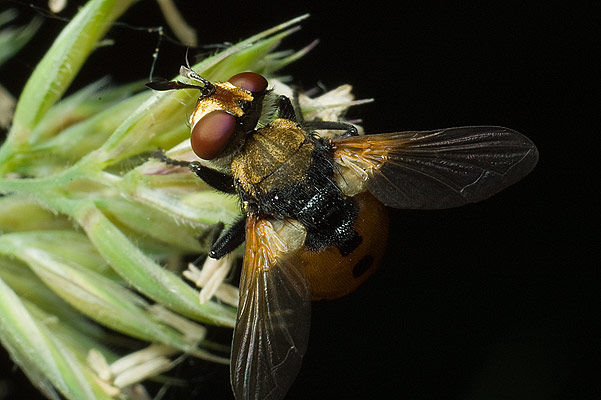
[147,276]
[46,361]
[13,39]
[54,73]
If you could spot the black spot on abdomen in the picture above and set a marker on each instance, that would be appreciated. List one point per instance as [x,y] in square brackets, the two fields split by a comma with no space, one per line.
[363,265]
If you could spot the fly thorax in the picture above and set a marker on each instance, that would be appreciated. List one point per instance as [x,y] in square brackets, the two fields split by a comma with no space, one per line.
[272,158]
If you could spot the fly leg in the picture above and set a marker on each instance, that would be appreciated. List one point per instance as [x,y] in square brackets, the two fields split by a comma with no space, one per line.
[287,110]
[229,239]
[223,241]
[211,234]
[349,129]
[217,180]
[160,155]
[290,109]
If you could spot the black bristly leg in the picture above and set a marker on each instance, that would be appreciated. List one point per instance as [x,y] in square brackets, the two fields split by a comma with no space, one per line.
[286,110]
[229,239]
[222,242]
[211,234]
[297,108]
[291,110]
[215,179]
[159,154]
[350,129]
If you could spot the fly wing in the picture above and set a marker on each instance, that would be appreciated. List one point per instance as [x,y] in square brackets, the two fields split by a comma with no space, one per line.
[272,328]
[438,169]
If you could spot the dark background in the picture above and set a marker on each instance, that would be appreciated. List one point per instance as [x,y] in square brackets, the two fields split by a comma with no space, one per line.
[497,300]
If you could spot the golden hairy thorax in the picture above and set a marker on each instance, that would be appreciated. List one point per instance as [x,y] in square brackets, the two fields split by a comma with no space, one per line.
[273,156]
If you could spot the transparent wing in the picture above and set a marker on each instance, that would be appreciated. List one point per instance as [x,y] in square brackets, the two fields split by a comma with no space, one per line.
[274,315]
[438,169]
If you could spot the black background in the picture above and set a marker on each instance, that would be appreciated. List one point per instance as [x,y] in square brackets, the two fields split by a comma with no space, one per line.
[497,300]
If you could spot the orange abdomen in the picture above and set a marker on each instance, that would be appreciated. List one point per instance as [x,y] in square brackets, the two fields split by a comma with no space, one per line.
[332,275]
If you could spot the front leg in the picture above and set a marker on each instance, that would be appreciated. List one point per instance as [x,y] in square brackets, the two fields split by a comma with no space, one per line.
[215,179]
[160,155]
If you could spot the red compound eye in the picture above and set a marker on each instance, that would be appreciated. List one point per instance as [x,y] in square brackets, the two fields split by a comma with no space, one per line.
[250,81]
[211,134]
